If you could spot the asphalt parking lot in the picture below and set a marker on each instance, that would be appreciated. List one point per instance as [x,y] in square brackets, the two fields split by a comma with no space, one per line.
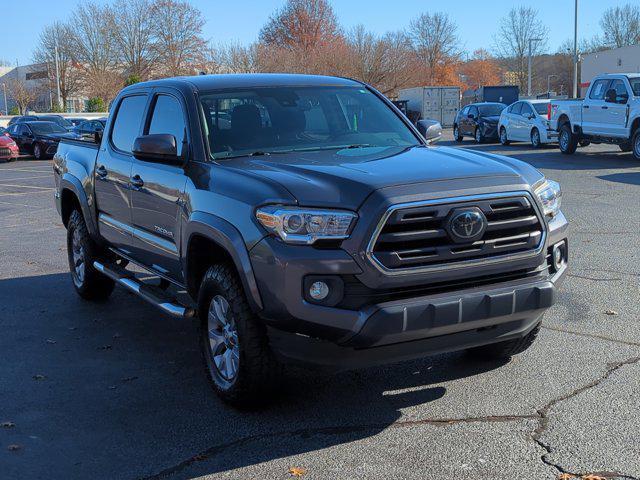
[117,390]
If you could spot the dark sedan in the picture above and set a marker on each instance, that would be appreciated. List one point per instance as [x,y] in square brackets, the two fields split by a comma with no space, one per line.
[478,120]
[58,119]
[90,127]
[39,139]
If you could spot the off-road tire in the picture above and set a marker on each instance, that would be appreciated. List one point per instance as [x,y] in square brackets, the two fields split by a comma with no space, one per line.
[505,350]
[456,134]
[635,142]
[93,285]
[504,139]
[569,144]
[258,372]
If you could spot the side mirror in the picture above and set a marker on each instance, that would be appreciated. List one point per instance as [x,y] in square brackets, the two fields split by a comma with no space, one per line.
[97,136]
[610,96]
[430,130]
[157,147]
[471,115]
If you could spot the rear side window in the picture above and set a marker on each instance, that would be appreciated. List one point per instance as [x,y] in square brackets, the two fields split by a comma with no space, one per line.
[516,109]
[598,90]
[168,118]
[126,125]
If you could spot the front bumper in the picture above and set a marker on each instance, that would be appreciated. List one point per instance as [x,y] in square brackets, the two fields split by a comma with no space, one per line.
[489,130]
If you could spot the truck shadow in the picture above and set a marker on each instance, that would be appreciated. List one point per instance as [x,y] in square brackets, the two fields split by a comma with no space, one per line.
[117,390]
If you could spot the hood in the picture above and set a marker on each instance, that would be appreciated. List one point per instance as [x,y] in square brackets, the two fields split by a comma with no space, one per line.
[491,118]
[345,178]
[58,136]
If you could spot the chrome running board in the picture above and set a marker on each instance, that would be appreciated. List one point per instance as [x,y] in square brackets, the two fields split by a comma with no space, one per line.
[164,303]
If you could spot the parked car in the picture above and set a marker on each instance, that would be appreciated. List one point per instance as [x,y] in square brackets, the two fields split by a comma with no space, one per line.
[478,120]
[317,226]
[3,132]
[75,121]
[39,138]
[610,113]
[527,121]
[58,119]
[8,149]
[90,127]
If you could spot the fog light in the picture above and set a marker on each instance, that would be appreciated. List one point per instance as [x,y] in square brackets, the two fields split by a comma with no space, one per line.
[558,255]
[319,291]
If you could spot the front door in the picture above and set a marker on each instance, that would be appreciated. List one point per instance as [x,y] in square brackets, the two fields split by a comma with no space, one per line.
[594,108]
[113,173]
[157,191]
[616,124]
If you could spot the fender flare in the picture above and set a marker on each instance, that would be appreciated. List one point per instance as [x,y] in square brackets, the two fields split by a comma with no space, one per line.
[230,239]
[70,182]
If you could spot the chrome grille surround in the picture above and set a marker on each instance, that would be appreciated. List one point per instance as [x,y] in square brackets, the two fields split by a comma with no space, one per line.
[456,202]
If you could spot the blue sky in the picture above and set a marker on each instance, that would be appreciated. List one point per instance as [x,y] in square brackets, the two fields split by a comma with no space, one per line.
[241,20]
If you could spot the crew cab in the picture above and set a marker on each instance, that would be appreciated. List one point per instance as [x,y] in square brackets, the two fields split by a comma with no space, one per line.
[610,113]
[304,219]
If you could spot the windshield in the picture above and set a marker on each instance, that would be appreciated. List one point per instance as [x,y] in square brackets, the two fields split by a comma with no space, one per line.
[63,122]
[541,108]
[282,119]
[491,110]
[635,86]
[45,128]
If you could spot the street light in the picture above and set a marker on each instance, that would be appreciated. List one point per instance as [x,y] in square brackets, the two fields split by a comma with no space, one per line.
[529,81]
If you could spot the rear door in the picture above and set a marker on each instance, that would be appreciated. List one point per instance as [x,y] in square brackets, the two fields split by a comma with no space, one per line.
[594,115]
[113,172]
[158,189]
[526,115]
[514,121]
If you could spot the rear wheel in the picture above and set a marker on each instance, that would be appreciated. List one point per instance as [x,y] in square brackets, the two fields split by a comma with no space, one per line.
[456,134]
[535,138]
[505,350]
[504,139]
[234,343]
[568,141]
[82,252]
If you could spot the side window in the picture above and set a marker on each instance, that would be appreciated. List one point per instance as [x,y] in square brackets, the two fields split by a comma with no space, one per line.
[126,125]
[474,111]
[465,111]
[22,130]
[168,118]
[621,90]
[598,90]
[526,110]
[516,109]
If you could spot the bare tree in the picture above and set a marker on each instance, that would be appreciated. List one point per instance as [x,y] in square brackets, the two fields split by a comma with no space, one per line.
[236,58]
[621,26]
[380,61]
[517,29]
[178,36]
[21,93]
[95,51]
[435,42]
[301,24]
[61,35]
[133,32]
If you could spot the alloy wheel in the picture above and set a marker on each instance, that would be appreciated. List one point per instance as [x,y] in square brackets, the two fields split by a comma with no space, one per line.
[78,254]
[223,338]
[503,135]
[564,140]
[535,138]
[37,152]
[478,135]
[636,147]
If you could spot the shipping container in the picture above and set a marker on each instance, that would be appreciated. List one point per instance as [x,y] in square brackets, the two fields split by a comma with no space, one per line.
[436,103]
[506,94]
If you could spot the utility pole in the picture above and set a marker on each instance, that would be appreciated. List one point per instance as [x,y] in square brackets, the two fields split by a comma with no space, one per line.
[549,77]
[529,76]
[575,51]
[57,72]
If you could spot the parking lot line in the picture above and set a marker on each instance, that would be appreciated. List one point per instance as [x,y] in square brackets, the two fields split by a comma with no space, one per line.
[25,186]
[30,178]
[26,193]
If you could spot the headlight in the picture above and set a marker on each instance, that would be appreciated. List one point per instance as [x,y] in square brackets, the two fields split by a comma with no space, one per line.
[550,196]
[305,225]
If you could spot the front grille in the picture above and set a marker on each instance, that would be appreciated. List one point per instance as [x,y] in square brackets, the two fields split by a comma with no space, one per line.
[5,152]
[416,237]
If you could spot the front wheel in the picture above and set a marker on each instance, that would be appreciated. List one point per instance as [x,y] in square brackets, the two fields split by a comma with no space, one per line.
[535,138]
[636,144]
[37,151]
[568,141]
[456,134]
[505,350]
[234,343]
[504,139]
[478,136]
[82,251]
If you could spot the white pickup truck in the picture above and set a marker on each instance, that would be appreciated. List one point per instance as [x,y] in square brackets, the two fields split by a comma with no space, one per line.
[610,113]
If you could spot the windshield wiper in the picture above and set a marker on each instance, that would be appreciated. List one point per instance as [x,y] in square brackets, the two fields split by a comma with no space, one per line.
[257,153]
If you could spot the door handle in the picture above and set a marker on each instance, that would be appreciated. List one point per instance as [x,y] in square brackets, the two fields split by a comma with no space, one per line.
[604,107]
[101,171]
[585,106]
[136,181]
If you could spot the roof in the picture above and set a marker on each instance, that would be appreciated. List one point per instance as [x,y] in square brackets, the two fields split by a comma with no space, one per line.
[223,81]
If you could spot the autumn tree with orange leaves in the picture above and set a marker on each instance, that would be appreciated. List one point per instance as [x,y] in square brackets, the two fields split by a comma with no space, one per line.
[482,69]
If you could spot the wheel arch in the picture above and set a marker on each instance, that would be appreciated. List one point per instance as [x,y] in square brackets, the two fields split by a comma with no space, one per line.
[634,126]
[562,120]
[209,240]
[72,195]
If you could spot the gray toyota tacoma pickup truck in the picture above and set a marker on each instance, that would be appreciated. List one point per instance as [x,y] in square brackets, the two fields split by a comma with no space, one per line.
[304,219]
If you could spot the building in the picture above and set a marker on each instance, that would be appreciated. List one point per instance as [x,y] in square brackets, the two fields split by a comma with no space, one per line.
[35,78]
[617,60]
